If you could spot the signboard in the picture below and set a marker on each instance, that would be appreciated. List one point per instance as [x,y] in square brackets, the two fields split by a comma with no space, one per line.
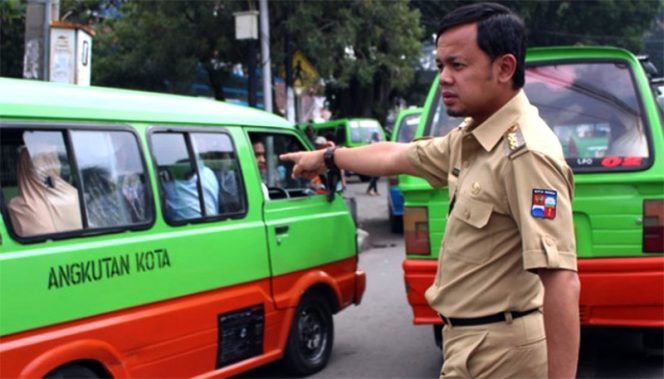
[71,53]
[304,73]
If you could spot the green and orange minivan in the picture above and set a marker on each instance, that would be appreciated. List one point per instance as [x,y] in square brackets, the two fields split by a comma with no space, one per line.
[600,103]
[144,235]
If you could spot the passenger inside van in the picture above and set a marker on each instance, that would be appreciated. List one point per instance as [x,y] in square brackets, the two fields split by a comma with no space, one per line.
[45,203]
[182,202]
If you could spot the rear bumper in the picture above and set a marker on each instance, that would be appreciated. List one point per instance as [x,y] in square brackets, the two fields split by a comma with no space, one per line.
[360,286]
[622,291]
[614,291]
[418,276]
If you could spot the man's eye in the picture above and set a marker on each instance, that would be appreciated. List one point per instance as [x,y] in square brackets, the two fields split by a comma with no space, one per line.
[457,65]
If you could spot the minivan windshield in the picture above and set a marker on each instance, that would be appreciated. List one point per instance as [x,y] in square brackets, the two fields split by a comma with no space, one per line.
[593,109]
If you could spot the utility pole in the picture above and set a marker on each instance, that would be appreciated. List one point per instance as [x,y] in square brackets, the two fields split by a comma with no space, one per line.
[290,95]
[265,55]
[39,15]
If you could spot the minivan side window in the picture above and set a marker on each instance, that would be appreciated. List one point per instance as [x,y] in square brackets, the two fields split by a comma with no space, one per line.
[276,174]
[199,176]
[47,192]
[112,178]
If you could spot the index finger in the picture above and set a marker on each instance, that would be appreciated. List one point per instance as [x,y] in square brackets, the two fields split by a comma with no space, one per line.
[289,157]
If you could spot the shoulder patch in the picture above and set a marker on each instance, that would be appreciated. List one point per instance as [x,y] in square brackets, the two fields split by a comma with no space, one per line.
[514,142]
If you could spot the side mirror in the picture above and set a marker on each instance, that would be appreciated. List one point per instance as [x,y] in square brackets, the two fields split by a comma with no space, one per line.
[331,180]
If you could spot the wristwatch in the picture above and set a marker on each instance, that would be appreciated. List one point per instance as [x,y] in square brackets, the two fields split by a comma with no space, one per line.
[328,157]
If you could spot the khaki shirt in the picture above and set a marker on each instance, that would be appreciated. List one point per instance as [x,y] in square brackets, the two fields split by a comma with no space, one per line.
[510,193]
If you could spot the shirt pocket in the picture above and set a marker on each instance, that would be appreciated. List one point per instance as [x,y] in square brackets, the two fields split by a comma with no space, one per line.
[469,237]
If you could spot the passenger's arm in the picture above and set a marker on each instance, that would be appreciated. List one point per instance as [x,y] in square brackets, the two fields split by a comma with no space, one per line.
[378,159]
[561,321]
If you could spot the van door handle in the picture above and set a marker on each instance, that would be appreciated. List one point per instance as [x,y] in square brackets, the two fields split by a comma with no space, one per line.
[281,229]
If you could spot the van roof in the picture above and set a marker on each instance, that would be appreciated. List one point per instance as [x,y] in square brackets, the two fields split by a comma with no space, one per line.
[337,121]
[31,99]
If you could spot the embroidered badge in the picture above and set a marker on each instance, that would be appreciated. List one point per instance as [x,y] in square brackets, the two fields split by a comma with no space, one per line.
[544,203]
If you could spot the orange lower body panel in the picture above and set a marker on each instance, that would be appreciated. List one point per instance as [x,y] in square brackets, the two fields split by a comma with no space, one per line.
[614,291]
[178,337]
[622,291]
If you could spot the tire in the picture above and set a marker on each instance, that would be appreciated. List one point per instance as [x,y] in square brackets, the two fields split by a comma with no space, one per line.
[72,372]
[311,336]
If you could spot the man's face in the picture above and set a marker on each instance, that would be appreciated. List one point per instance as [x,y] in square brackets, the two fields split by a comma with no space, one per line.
[259,153]
[467,78]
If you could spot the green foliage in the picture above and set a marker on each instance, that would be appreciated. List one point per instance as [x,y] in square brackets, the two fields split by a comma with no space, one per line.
[619,23]
[12,36]
[159,45]
[364,49]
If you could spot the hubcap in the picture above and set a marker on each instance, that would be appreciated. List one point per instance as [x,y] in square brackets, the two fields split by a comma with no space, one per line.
[313,334]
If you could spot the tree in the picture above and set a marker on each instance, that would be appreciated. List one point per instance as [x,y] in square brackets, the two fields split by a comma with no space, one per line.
[166,45]
[619,23]
[364,50]
[12,36]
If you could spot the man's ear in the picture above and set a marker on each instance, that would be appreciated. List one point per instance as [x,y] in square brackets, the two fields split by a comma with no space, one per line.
[506,65]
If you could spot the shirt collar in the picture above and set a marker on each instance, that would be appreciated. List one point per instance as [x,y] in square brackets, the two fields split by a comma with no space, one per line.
[492,130]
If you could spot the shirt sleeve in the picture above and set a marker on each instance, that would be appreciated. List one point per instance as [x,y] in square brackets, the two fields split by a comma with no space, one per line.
[431,158]
[539,193]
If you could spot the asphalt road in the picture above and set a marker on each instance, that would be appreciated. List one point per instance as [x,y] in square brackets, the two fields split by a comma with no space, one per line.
[377,338]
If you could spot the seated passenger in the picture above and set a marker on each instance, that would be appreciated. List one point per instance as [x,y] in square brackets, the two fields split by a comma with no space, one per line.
[46,203]
[182,196]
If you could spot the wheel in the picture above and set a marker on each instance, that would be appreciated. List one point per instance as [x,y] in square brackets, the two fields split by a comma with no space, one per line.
[311,336]
[72,371]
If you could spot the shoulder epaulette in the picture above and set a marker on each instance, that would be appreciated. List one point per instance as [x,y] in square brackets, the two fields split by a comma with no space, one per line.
[514,142]
[466,121]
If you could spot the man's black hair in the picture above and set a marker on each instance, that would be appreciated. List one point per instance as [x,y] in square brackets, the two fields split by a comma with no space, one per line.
[499,31]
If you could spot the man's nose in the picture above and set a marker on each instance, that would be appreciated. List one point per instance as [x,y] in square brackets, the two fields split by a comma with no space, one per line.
[444,77]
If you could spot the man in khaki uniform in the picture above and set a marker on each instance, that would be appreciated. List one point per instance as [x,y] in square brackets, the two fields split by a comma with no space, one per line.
[507,266]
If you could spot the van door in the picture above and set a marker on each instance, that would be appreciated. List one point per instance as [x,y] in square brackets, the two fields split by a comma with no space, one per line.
[305,231]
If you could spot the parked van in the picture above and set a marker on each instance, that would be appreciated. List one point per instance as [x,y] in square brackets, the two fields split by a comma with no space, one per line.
[349,132]
[151,235]
[405,126]
[600,104]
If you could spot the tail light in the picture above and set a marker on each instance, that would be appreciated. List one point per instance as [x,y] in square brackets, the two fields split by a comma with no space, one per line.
[653,226]
[393,181]
[416,230]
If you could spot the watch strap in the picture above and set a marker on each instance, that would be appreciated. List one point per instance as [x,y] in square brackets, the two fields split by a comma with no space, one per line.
[328,157]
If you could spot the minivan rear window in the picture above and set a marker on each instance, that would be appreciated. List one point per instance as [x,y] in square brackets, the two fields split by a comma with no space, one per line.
[408,127]
[594,110]
[363,130]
